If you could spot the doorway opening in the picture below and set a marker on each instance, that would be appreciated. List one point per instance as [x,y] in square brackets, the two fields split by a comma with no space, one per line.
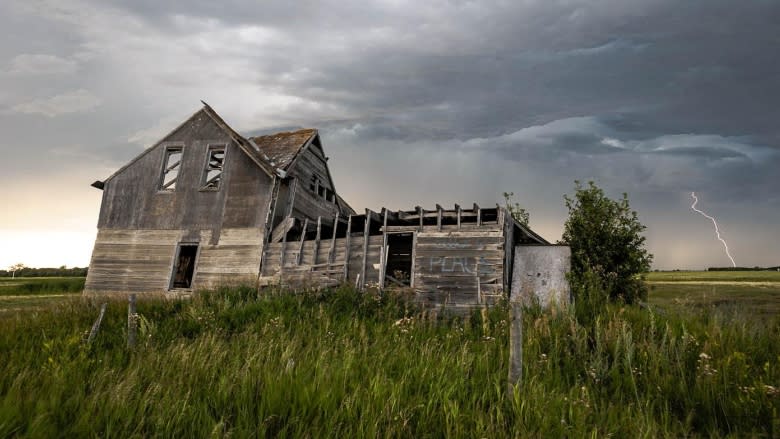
[184,268]
[398,268]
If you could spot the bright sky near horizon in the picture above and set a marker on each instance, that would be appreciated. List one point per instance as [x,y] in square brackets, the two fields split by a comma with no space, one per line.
[417,103]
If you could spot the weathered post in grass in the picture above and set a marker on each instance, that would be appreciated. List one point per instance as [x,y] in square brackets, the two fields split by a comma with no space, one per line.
[96,326]
[515,344]
[539,277]
[132,321]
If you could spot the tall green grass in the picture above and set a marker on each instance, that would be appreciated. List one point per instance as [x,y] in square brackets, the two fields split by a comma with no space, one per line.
[340,363]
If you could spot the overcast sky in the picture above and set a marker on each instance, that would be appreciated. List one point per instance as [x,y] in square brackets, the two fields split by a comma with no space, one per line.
[417,103]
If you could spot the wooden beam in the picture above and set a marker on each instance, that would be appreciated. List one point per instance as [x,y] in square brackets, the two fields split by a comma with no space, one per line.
[420,213]
[284,250]
[478,211]
[383,252]
[317,240]
[438,217]
[346,250]
[291,196]
[303,237]
[366,229]
[457,209]
[332,250]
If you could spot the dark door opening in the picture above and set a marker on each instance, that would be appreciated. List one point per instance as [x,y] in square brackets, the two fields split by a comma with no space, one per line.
[185,266]
[398,269]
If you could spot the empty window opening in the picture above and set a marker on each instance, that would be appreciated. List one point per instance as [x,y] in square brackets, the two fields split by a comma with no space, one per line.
[215,164]
[184,268]
[171,167]
[398,268]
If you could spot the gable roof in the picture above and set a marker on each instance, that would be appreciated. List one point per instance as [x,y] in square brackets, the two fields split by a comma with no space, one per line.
[251,150]
[282,148]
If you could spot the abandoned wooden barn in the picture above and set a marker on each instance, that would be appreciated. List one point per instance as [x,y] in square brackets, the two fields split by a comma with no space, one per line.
[456,257]
[206,206]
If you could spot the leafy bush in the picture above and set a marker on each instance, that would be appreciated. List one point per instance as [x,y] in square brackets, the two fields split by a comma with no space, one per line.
[606,239]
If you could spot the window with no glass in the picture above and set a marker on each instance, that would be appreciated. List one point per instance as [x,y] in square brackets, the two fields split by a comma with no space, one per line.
[215,165]
[171,168]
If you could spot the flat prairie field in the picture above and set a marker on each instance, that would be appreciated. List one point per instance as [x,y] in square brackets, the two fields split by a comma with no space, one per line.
[755,293]
[34,293]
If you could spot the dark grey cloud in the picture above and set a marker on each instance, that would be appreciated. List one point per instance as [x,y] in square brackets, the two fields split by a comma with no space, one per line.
[654,97]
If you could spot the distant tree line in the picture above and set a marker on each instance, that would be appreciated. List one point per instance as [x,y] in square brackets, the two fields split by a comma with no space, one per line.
[45,272]
[743,268]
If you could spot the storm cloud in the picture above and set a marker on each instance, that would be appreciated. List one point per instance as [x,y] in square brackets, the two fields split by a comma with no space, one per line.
[418,103]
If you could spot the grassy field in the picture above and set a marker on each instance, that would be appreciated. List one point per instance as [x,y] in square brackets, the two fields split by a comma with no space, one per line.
[346,364]
[754,294]
[714,276]
[25,294]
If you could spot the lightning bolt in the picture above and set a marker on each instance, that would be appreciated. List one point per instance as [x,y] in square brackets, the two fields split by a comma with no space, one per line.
[717,231]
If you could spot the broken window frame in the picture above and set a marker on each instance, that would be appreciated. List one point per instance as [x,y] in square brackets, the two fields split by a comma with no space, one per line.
[208,167]
[168,168]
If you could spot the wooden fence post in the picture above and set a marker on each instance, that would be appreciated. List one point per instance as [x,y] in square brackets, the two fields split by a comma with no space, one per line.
[132,321]
[96,326]
[515,345]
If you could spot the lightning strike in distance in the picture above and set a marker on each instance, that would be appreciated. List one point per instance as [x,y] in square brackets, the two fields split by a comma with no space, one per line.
[717,231]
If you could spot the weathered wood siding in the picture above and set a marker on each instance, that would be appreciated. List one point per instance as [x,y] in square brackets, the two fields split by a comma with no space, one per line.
[315,269]
[141,261]
[140,226]
[132,199]
[460,268]
[307,203]
[132,261]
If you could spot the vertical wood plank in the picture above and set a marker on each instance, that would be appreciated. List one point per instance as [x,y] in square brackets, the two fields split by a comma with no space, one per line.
[383,252]
[284,250]
[317,240]
[348,243]
[303,237]
[420,213]
[365,249]
[478,211]
[332,250]
[438,217]
[457,208]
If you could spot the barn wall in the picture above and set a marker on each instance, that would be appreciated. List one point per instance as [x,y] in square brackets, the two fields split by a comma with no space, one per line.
[463,268]
[132,199]
[307,203]
[141,261]
[314,267]
[540,275]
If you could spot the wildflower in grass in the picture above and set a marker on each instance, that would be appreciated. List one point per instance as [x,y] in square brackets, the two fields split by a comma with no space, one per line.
[771,390]
[704,367]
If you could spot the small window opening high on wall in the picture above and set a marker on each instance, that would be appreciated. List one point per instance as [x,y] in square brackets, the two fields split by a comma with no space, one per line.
[171,167]
[215,163]
[184,268]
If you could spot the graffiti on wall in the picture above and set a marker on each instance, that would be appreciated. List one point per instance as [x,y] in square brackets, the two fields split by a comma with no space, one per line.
[459,264]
